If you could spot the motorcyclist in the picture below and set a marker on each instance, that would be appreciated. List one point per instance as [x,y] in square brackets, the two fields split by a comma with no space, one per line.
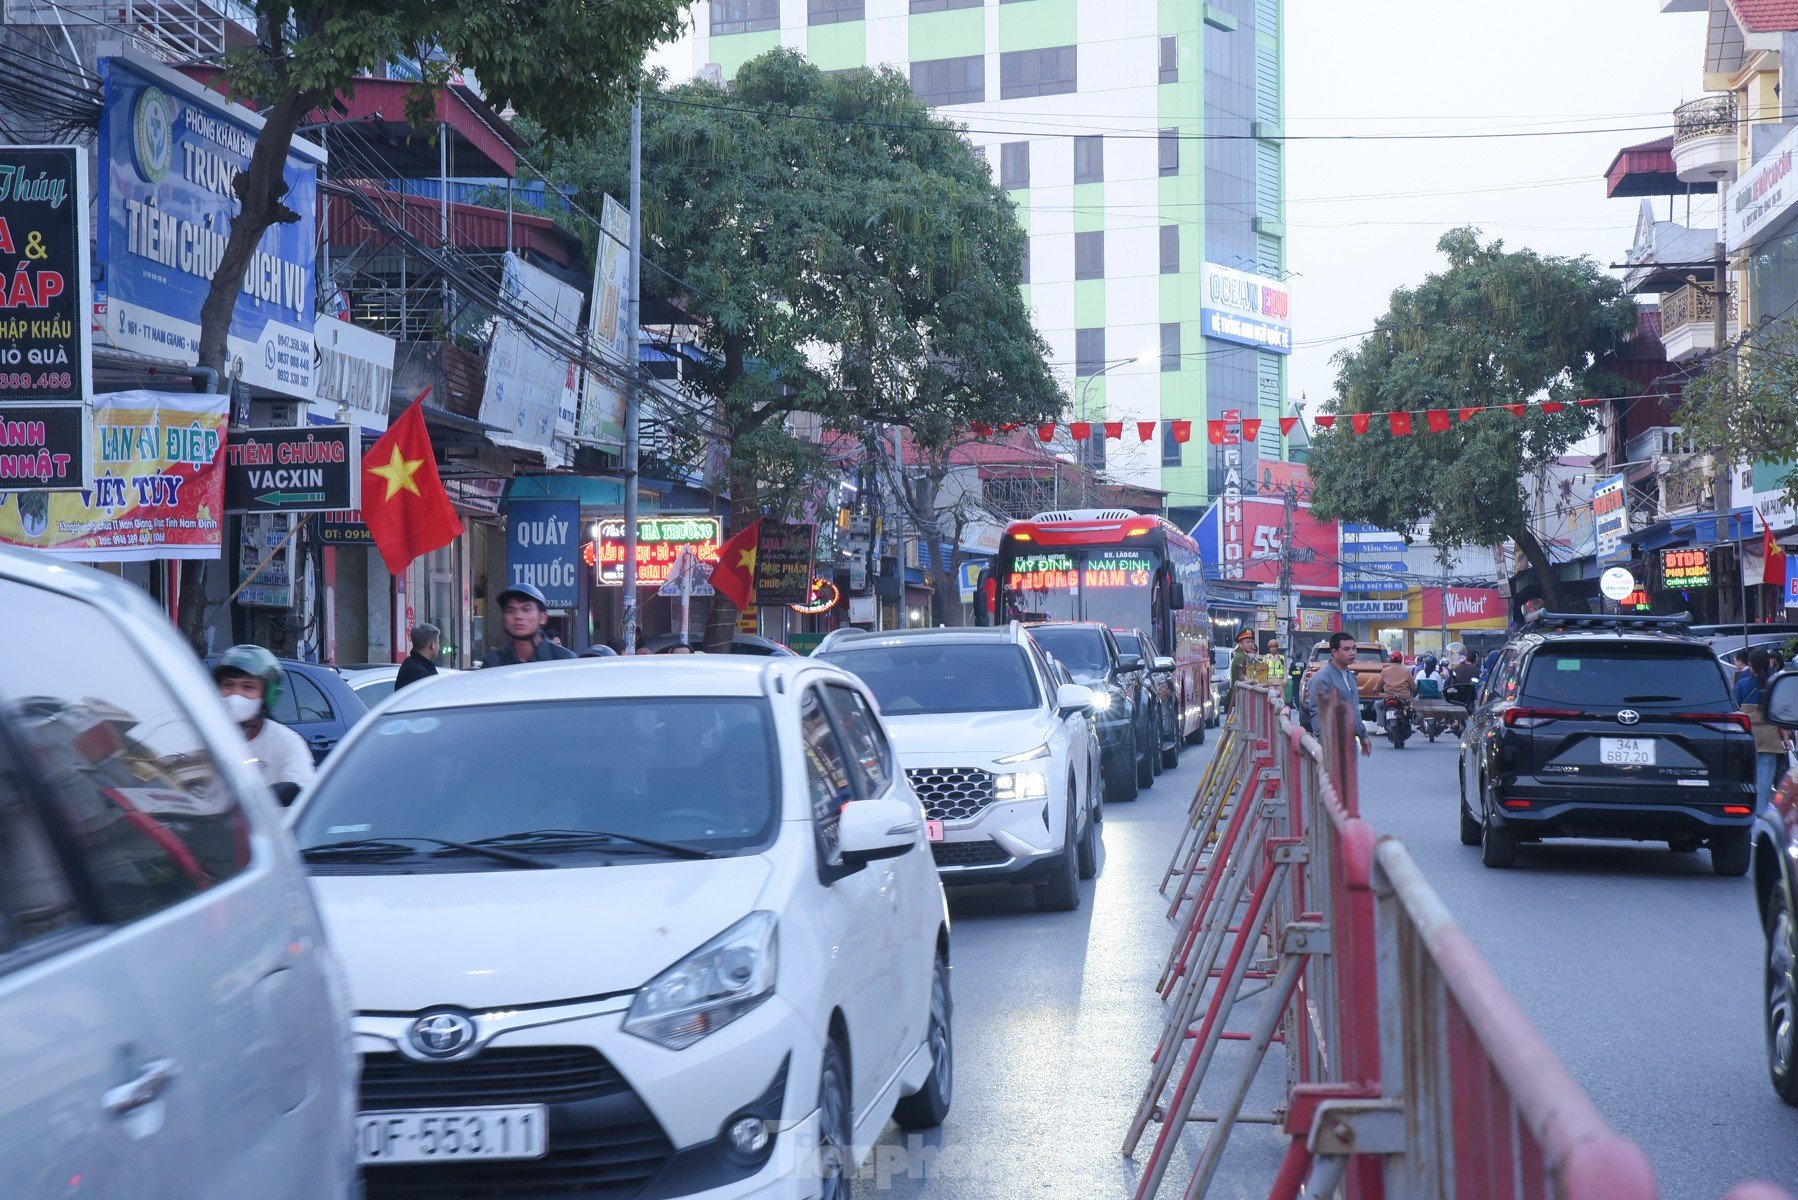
[249,681]
[1396,682]
[1430,678]
[523,612]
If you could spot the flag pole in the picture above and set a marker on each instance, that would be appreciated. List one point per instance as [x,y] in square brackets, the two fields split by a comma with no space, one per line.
[632,400]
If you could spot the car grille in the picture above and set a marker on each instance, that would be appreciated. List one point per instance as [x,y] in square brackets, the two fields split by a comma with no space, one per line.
[951,793]
[969,854]
[611,1159]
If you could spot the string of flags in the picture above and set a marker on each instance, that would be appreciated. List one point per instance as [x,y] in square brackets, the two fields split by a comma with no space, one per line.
[1218,433]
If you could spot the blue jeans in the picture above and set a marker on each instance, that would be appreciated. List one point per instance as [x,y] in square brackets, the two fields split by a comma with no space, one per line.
[1766,771]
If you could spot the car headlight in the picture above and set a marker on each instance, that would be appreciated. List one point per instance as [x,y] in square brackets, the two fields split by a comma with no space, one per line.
[1102,699]
[710,988]
[1041,751]
[1024,785]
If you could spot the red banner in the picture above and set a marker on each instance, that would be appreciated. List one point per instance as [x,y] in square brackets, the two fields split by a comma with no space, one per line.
[1466,606]
[1251,546]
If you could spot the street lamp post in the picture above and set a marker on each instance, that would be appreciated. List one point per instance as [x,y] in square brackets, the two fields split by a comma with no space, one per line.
[1080,400]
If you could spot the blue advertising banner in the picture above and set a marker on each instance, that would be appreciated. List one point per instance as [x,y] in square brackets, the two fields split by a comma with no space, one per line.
[1791,580]
[543,548]
[169,152]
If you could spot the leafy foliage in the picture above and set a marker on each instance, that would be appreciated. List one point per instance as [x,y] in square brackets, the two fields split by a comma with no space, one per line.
[1497,327]
[1745,400]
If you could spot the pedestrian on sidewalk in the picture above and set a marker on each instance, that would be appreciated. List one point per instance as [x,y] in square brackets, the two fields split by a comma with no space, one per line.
[1337,675]
[1769,744]
[524,612]
[427,644]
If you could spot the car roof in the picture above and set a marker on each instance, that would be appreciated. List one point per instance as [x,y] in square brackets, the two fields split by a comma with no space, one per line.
[955,636]
[605,678]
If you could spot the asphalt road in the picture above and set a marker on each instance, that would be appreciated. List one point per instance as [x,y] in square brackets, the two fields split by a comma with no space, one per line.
[1640,967]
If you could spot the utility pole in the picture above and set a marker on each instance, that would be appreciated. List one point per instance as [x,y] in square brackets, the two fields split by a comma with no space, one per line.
[632,397]
[899,519]
[1444,606]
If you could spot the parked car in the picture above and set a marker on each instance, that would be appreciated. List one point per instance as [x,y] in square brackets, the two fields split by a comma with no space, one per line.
[1164,695]
[173,1025]
[1119,684]
[1609,727]
[1001,755]
[317,702]
[1776,901]
[640,927]
[373,682]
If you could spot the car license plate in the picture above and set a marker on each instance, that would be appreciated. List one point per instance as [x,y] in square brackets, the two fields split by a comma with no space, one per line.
[452,1134]
[933,830]
[1626,752]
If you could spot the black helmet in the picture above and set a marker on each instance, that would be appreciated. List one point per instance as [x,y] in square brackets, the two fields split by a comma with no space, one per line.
[601,651]
[1429,662]
[523,591]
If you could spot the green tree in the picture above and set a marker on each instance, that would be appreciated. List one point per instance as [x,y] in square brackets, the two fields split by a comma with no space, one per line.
[1496,327]
[839,252]
[1743,405]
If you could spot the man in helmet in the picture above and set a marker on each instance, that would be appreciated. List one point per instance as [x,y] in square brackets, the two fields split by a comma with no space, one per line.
[249,681]
[523,612]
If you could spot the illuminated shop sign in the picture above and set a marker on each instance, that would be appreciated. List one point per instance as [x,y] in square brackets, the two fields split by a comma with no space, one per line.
[1098,569]
[1685,569]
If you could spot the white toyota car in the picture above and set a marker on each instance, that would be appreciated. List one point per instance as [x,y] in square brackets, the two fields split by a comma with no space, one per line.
[636,927]
[1003,756]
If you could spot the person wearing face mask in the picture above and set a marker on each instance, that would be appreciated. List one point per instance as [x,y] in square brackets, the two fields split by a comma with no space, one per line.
[249,681]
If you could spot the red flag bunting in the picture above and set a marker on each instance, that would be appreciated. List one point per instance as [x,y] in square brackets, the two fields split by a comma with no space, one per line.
[1517,410]
[1009,427]
[1286,424]
[1214,432]
[1045,433]
[1114,429]
[1399,423]
[1324,420]
[1773,556]
[1437,419]
[1360,421]
[1145,431]
[1251,428]
[1552,406]
[1467,414]
[404,503]
[1590,402]
[1080,430]
[733,575]
[980,428]
[1182,431]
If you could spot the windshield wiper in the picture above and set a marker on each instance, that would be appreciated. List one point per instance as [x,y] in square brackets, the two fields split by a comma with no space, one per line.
[374,846]
[540,837]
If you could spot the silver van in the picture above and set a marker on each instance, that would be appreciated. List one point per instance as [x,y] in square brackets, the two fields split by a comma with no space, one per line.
[171,1024]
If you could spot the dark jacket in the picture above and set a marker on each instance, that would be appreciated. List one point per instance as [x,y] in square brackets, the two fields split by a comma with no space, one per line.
[415,668]
[547,651]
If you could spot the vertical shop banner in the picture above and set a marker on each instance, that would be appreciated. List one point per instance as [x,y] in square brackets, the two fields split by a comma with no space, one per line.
[543,548]
[608,330]
[44,275]
[1253,532]
[783,564]
[355,375]
[170,151]
[1610,521]
[1792,580]
[530,392]
[158,491]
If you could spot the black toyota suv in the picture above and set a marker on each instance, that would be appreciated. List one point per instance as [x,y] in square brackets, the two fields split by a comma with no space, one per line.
[1120,684]
[1608,727]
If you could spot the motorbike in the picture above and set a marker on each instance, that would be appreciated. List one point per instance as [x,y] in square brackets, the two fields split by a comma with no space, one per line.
[1399,721]
[1461,695]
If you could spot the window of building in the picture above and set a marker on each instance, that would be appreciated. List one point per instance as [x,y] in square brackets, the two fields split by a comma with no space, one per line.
[929,6]
[1089,351]
[1168,148]
[1170,449]
[1089,159]
[1170,249]
[1170,58]
[1024,263]
[1089,255]
[744,16]
[1170,346]
[950,80]
[1037,72]
[1092,451]
[829,12]
[1014,165]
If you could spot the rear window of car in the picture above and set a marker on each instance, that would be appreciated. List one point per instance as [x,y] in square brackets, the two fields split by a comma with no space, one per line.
[919,679]
[1128,643]
[1081,648]
[1597,675]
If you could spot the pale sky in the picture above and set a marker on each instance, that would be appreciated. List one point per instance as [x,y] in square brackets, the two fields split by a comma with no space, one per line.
[1363,217]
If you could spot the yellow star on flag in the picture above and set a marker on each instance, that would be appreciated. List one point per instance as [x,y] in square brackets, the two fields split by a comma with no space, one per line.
[398,474]
[746,559]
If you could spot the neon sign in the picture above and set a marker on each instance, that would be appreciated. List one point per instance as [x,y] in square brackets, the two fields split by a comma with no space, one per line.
[1686,568]
[659,540]
[823,598]
[1099,569]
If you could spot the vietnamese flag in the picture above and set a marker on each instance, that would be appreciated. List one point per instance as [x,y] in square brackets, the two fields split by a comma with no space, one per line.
[1251,428]
[403,501]
[1324,420]
[1517,410]
[1286,424]
[1145,431]
[1182,431]
[734,573]
[1360,421]
[1773,555]
[1437,419]
[1399,423]
[1045,433]
[1214,432]
[1467,414]
[1114,430]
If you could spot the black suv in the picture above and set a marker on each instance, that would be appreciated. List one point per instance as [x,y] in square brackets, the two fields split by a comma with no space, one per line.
[1608,727]
[1120,683]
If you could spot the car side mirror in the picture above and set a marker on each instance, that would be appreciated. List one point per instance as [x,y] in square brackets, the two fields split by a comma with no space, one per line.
[1782,701]
[1071,698]
[1161,662]
[1128,663]
[1176,597]
[870,830]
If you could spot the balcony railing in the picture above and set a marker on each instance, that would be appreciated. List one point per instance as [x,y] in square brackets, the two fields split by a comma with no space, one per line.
[1705,117]
[1688,305]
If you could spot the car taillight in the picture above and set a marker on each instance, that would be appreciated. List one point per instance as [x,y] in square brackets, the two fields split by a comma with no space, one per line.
[1529,718]
[1722,722]
[1736,810]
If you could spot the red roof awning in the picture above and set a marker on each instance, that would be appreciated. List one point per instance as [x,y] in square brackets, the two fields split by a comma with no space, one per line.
[1647,170]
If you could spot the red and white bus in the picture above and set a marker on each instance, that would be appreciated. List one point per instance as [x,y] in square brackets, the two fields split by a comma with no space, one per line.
[1116,567]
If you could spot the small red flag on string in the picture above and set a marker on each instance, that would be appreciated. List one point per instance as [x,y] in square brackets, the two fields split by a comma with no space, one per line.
[1251,428]
[1360,421]
[1590,402]
[1114,429]
[1437,419]
[1214,432]
[1045,433]
[1080,430]
[1552,406]
[1467,414]
[1145,431]
[1399,423]
[981,429]
[1517,410]
[1286,424]
[1182,431]
[1324,420]
[1009,427]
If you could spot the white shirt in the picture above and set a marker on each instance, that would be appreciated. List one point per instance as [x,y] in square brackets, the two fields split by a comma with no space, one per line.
[282,754]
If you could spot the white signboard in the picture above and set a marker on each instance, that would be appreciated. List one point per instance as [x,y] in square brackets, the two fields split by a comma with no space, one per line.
[354,371]
[608,326]
[530,393]
[1610,520]
[1617,583]
[1372,610]
[1761,197]
[1250,310]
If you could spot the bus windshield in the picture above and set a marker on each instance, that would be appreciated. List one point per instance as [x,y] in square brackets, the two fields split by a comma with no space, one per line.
[1113,586]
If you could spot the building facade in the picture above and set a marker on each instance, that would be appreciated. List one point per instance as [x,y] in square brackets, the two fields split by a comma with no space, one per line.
[1141,146]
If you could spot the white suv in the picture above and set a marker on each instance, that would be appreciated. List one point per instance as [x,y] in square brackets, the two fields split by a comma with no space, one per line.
[645,927]
[1004,757]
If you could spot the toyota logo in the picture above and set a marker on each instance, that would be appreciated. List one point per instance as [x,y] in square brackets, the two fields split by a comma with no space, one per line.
[441,1035]
[1628,716]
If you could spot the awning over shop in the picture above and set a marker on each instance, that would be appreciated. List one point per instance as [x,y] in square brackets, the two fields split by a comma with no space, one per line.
[1696,529]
